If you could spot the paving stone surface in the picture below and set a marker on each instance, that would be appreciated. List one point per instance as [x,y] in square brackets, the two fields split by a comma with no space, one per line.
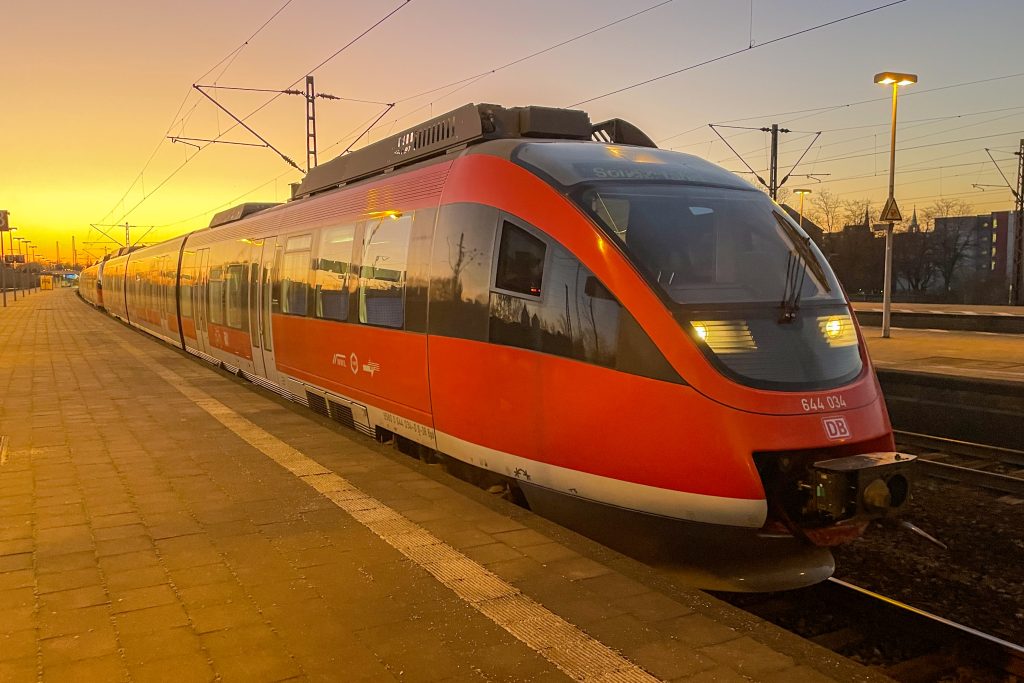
[141,539]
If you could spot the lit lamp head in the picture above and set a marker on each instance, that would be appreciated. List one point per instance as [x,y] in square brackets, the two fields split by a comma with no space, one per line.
[801,191]
[892,77]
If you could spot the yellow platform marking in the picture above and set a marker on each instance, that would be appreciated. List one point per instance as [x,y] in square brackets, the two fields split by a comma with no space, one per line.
[560,642]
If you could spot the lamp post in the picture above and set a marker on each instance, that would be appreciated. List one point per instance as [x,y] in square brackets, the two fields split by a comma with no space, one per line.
[28,259]
[891,213]
[18,241]
[14,276]
[802,192]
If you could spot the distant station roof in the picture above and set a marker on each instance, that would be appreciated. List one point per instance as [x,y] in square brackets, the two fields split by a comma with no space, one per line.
[457,129]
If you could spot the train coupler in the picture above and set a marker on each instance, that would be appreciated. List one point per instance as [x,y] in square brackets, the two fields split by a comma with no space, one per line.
[868,485]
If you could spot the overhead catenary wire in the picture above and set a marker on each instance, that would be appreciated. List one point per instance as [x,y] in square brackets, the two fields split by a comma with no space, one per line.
[242,119]
[906,139]
[229,57]
[290,91]
[737,52]
[464,82]
[932,144]
[470,80]
[833,107]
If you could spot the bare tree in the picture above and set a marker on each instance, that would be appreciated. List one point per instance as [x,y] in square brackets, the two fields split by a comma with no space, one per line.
[952,238]
[913,260]
[826,211]
[855,209]
[943,208]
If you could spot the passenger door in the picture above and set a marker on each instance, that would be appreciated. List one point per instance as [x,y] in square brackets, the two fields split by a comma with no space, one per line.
[199,304]
[261,305]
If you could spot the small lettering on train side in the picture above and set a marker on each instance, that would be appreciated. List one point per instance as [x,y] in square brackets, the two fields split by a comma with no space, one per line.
[398,423]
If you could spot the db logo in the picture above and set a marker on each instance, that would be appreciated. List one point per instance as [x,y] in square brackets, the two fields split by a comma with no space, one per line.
[836,428]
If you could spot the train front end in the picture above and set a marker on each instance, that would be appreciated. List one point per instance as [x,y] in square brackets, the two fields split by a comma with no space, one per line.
[781,403]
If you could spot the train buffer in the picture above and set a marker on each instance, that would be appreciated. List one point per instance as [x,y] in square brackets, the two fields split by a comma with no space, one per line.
[159,519]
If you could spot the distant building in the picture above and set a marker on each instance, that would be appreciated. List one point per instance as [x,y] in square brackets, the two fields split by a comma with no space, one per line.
[974,236]
[1003,232]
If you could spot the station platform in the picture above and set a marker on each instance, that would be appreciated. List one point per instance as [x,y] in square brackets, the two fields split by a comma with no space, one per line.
[978,355]
[964,317]
[943,309]
[162,520]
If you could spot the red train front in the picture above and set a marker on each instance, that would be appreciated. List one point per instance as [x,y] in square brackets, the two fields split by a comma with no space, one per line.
[644,345]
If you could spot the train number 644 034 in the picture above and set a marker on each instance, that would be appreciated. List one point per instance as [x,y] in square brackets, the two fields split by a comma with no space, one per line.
[815,403]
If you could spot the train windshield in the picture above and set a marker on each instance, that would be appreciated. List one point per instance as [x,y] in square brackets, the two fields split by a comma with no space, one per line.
[741,277]
[712,245]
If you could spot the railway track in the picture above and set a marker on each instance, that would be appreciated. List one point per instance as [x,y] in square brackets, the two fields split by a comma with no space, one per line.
[965,462]
[901,641]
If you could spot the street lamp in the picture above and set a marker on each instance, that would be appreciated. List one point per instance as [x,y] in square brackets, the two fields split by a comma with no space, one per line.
[18,241]
[14,276]
[802,192]
[891,213]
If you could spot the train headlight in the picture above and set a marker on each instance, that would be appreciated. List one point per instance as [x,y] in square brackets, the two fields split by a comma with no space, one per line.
[725,336]
[838,330]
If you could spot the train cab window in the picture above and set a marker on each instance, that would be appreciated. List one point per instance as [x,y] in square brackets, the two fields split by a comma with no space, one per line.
[236,296]
[383,269]
[334,274]
[566,311]
[216,292]
[520,266]
[575,316]
[295,275]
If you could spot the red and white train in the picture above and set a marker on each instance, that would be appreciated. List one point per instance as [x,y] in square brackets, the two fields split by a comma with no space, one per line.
[631,337]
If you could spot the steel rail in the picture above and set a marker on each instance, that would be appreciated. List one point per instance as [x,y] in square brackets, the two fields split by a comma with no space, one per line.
[967,475]
[1014,653]
[1009,456]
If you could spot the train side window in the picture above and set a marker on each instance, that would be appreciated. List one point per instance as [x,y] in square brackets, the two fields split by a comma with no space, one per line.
[216,293]
[520,267]
[334,276]
[186,292]
[295,275]
[236,296]
[461,270]
[383,269]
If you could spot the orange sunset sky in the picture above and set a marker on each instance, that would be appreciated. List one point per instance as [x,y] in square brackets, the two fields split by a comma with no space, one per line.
[91,90]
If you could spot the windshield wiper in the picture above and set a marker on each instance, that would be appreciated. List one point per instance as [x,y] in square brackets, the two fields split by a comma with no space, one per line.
[798,262]
[796,272]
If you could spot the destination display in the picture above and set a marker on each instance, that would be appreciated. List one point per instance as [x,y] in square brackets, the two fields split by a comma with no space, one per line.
[569,163]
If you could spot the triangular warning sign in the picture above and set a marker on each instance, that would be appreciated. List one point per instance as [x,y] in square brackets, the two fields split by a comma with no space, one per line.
[891,212]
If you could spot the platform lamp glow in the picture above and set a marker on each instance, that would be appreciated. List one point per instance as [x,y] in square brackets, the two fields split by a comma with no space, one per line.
[890,213]
[802,191]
